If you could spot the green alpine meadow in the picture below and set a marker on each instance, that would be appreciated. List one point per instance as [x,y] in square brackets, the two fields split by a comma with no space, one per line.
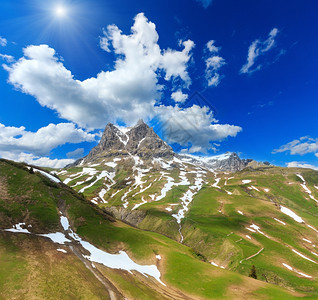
[131,222]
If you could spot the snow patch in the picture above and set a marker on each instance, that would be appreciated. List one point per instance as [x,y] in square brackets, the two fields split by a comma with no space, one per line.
[101,195]
[308,241]
[51,177]
[279,221]
[252,187]
[61,250]
[215,184]
[240,212]
[303,256]
[111,164]
[288,267]
[290,213]
[301,177]
[57,237]
[311,227]
[139,204]
[102,175]
[292,269]
[246,181]
[167,187]
[18,229]
[257,228]
[64,222]
[187,197]
[117,261]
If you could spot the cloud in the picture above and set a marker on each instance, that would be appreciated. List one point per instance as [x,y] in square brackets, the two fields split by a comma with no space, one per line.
[7,58]
[36,160]
[179,97]
[193,127]
[302,146]
[76,153]
[213,64]
[3,41]
[104,42]
[296,164]
[129,92]
[17,140]
[256,49]
[205,3]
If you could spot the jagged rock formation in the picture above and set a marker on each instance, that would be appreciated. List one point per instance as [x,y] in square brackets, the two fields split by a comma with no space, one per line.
[228,162]
[141,140]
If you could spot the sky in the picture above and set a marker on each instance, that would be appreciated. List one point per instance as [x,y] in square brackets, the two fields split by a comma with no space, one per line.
[209,76]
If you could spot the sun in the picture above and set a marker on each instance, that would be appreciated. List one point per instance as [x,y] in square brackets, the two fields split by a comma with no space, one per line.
[60,11]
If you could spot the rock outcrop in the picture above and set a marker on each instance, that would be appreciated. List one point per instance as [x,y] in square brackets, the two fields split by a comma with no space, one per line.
[139,140]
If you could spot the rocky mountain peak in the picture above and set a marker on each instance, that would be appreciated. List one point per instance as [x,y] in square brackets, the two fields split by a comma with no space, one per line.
[140,140]
[141,122]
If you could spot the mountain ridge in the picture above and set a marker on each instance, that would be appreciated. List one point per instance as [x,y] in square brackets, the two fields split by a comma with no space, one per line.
[141,140]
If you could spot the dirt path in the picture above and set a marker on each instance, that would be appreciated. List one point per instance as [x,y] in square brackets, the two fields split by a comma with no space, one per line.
[252,255]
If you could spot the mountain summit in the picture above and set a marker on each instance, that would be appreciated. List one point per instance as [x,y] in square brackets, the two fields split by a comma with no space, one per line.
[138,140]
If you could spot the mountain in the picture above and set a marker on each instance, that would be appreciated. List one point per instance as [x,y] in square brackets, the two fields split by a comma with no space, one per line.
[142,141]
[192,227]
[229,162]
[139,140]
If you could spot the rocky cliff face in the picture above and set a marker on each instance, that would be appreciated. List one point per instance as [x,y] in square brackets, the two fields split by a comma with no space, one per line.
[139,140]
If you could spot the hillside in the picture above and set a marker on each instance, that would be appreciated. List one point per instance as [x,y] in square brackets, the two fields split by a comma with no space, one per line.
[73,259]
[260,215]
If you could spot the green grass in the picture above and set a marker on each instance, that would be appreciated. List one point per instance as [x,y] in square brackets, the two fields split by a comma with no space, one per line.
[208,234]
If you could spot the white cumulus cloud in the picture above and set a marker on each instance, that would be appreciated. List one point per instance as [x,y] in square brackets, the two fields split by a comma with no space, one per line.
[179,97]
[296,164]
[17,140]
[213,64]
[128,92]
[3,41]
[7,58]
[256,49]
[193,126]
[301,146]
[36,160]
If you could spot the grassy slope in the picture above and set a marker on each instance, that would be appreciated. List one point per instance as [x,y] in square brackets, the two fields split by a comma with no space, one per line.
[209,231]
[221,236]
[181,267]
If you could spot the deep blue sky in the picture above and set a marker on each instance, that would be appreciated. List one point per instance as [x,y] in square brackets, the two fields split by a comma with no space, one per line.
[274,105]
